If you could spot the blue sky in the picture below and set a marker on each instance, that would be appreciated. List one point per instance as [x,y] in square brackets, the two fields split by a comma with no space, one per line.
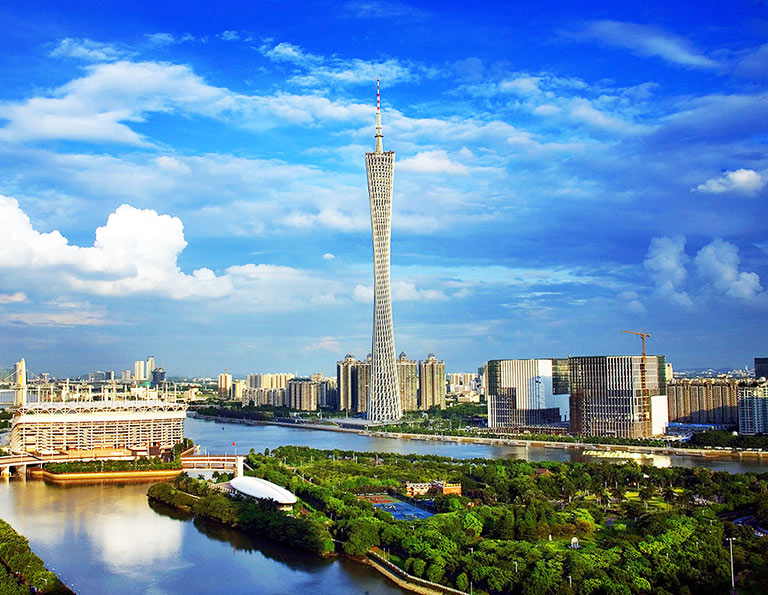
[188,181]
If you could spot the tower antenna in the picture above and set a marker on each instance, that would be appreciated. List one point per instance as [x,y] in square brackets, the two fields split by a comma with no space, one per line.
[379,135]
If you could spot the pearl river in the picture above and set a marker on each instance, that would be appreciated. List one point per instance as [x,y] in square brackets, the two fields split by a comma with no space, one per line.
[106,538]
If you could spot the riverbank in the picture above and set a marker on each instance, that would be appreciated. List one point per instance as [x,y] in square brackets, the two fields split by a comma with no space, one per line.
[21,571]
[140,475]
[703,453]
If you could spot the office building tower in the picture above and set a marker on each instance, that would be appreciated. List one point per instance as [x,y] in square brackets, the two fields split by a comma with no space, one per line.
[384,393]
[138,371]
[408,377]
[623,395]
[125,376]
[302,394]
[150,367]
[761,367]
[225,385]
[704,400]
[431,383]
[518,392]
[753,409]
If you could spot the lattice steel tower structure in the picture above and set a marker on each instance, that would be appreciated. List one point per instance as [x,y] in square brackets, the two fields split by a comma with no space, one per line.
[384,389]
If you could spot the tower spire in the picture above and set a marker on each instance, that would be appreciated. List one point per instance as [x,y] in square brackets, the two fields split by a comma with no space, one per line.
[379,135]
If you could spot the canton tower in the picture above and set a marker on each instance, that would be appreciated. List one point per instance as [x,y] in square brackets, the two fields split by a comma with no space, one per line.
[383,389]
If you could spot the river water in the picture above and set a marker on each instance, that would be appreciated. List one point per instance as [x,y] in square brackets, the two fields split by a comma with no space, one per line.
[106,538]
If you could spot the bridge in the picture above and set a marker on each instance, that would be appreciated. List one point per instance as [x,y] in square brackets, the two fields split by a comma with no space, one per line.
[18,464]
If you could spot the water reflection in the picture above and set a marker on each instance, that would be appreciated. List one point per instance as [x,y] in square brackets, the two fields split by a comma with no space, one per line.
[105,538]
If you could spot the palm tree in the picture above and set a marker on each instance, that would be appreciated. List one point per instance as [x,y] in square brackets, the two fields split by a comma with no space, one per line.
[669,495]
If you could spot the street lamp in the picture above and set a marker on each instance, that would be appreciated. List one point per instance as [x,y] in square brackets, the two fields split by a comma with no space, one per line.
[730,547]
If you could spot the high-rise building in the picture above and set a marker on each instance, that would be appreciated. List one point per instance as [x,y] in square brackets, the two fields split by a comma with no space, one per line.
[753,409]
[408,377]
[20,381]
[125,376]
[138,371]
[622,395]
[384,393]
[346,382]
[761,367]
[704,400]
[431,383]
[150,367]
[225,385]
[353,379]
[518,393]
[238,387]
[303,393]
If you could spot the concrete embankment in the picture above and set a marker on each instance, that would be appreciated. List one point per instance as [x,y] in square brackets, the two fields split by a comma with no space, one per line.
[144,475]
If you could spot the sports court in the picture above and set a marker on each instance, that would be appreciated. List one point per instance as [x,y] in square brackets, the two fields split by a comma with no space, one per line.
[402,511]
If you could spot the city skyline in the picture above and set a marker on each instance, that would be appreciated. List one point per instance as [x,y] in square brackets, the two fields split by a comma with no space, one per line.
[188,183]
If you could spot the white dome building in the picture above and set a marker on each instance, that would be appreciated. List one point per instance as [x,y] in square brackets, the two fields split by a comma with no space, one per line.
[262,489]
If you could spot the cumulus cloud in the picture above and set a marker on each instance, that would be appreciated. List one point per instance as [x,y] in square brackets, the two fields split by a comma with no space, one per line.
[646,40]
[135,252]
[328,256]
[666,260]
[741,181]
[718,263]
[87,49]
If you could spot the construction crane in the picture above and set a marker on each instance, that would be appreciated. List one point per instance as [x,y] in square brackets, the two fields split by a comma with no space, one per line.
[643,336]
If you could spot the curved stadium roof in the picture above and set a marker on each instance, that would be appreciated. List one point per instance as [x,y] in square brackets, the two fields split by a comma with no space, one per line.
[263,489]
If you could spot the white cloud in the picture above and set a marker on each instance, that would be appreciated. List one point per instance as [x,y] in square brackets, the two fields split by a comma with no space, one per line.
[87,49]
[172,164]
[341,71]
[328,256]
[718,263]
[363,293]
[741,181]
[56,319]
[229,35]
[325,344]
[666,260]
[162,39]
[645,40]
[10,298]
[135,252]
[432,162]
[402,291]
[99,106]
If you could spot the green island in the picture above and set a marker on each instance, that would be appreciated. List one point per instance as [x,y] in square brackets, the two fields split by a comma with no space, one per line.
[639,529]
[21,571]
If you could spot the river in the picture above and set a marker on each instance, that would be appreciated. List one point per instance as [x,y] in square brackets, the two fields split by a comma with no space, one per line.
[106,538]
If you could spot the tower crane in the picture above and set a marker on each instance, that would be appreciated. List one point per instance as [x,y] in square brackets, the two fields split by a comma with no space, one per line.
[643,335]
